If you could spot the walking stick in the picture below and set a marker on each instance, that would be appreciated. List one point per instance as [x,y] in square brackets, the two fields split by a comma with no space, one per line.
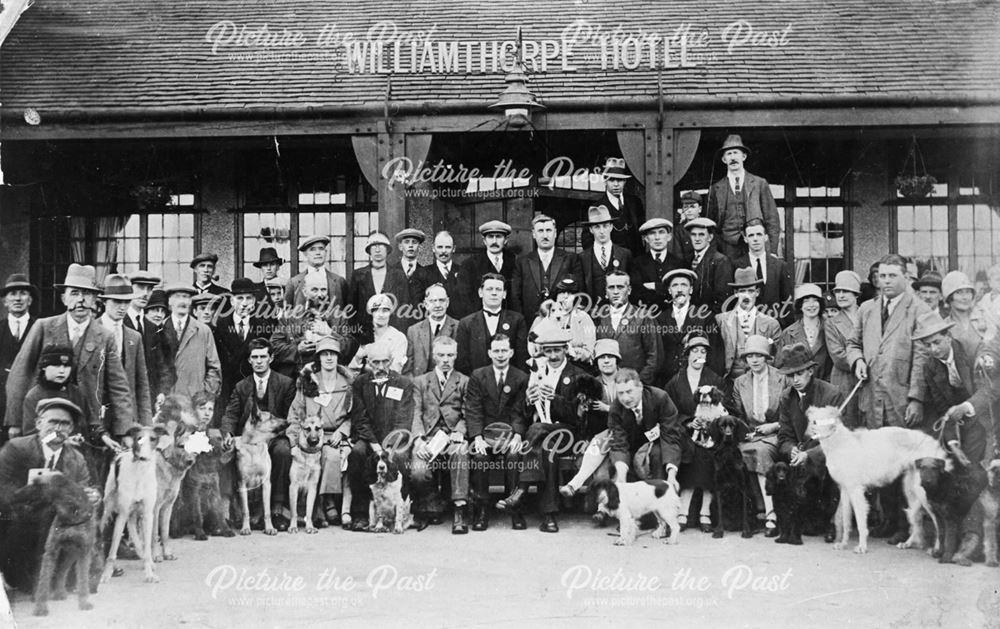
[850,395]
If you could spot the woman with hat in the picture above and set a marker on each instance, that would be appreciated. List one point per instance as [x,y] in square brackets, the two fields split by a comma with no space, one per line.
[838,329]
[563,310]
[697,470]
[960,296]
[754,400]
[808,328]
[380,308]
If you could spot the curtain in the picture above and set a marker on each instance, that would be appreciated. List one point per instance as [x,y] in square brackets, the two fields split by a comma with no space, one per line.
[78,239]
[107,230]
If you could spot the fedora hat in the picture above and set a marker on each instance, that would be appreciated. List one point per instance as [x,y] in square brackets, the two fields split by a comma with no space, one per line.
[309,242]
[204,257]
[734,142]
[19,281]
[598,215]
[243,286]
[757,344]
[745,278]
[158,299]
[607,347]
[495,227]
[119,288]
[614,168]
[795,358]
[82,276]
[929,324]
[930,278]
[955,281]
[268,255]
[849,281]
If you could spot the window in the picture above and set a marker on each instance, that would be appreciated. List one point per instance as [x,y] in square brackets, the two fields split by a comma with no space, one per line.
[818,235]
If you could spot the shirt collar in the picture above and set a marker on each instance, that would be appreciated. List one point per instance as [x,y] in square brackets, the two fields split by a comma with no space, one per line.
[262,379]
[742,174]
[47,452]
[110,323]
[23,318]
[440,375]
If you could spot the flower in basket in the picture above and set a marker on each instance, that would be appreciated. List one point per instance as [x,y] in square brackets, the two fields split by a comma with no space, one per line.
[915,186]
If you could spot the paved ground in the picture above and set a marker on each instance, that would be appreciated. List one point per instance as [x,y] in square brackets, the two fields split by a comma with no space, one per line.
[510,578]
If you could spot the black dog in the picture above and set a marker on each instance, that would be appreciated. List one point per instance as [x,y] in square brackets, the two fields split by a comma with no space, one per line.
[586,390]
[951,495]
[732,479]
[818,498]
[788,496]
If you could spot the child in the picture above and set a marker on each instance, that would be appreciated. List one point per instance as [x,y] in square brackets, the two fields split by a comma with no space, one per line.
[55,369]
[202,484]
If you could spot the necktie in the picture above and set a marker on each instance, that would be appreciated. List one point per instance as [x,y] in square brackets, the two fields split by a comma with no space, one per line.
[498,263]
[604,256]
[409,269]
[953,378]
[760,272]
[243,330]
[491,314]
[638,415]
[261,389]
[885,314]
[52,462]
[435,329]
[441,382]
[380,387]
[17,329]
[138,325]
[447,271]
[695,262]
[500,381]
[738,188]
[75,335]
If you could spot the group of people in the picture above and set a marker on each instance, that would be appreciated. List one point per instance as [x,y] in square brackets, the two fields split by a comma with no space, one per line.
[484,364]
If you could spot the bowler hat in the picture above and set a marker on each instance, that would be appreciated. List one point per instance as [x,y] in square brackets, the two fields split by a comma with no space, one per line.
[411,232]
[243,286]
[158,299]
[495,227]
[598,215]
[656,223]
[795,358]
[955,281]
[82,276]
[204,257]
[745,278]
[58,402]
[607,347]
[930,278]
[757,344]
[614,168]
[849,281]
[119,288]
[19,281]
[929,324]
[268,255]
[734,142]
[309,242]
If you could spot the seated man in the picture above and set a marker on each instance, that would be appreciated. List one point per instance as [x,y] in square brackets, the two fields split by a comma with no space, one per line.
[438,396]
[496,393]
[22,540]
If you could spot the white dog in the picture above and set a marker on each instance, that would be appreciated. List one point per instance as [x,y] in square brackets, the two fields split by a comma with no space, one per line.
[861,459]
[630,501]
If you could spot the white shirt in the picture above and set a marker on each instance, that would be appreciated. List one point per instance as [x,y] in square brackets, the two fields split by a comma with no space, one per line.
[698,255]
[378,278]
[314,270]
[492,323]
[435,325]
[499,374]
[244,321]
[760,390]
[616,201]
[179,324]
[546,257]
[441,376]
[680,314]
[616,316]
[763,265]
[891,303]
[409,266]
[742,175]
[115,327]
[135,316]
[746,318]
[49,453]
[76,330]
[18,324]
[602,252]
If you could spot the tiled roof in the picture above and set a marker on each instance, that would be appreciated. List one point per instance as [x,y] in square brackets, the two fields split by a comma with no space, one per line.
[103,56]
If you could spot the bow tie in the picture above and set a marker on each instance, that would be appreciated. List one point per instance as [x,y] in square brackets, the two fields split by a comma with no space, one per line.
[491,314]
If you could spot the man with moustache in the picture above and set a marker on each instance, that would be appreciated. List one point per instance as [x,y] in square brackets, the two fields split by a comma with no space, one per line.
[647,269]
[603,256]
[493,258]
[712,268]
[636,332]
[99,372]
[203,266]
[377,277]
[190,342]
[315,250]
[18,294]
[689,210]
[445,272]
[626,210]
[293,342]
[476,331]
[777,283]
[537,274]
[683,319]
[742,322]
[740,197]
[421,334]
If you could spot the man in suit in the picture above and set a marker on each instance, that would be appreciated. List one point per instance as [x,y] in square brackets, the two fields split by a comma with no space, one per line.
[537,274]
[603,256]
[99,373]
[648,269]
[712,268]
[294,338]
[626,210]
[637,333]
[493,258]
[474,332]
[269,263]
[315,253]
[777,283]
[438,396]
[203,266]
[495,394]
[643,421]
[234,332]
[22,540]
[376,278]
[408,242]
[118,294]
[190,342]
[552,433]
[269,391]
[143,285]
[743,321]
[740,197]
[881,351]
[681,319]
[689,210]
[421,334]
[445,271]
[18,294]
[382,402]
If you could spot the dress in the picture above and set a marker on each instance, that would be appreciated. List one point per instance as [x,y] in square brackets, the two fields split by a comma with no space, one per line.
[697,470]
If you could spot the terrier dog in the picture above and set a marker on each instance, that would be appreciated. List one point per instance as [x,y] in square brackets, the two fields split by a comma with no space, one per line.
[71,537]
[254,464]
[628,502]
[305,471]
[130,497]
[388,509]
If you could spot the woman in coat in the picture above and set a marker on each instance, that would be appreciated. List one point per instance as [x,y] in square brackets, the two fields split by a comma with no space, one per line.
[697,469]
[838,329]
[807,329]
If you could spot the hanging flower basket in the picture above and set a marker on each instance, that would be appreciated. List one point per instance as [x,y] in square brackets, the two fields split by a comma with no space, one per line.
[150,197]
[915,185]
[274,234]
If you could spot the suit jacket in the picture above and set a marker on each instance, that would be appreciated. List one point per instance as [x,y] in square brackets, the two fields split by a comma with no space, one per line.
[795,333]
[527,288]
[280,393]
[196,359]
[212,289]
[627,218]
[361,288]
[234,351]
[895,362]
[137,376]
[99,372]
[778,288]
[418,348]
[478,265]
[714,274]
[741,397]
[759,204]
[627,435]
[977,390]
[433,407]
[9,346]
[700,321]
[159,362]
[335,284]
[486,404]
[646,275]
[837,329]
[474,339]
[373,417]
[458,301]
[594,283]
[638,341]
[21,454]
[792,422]
[563,406]
[729,325]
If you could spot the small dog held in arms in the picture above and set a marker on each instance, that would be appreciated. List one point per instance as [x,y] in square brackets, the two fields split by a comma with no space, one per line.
[863,459]
[254,464]
[71,537]
[305,471]
[628,502]
[709,409]
[388,509]
[130,498]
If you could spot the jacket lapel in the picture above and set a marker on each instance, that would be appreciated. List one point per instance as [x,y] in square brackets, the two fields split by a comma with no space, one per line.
[558,257]
[93,338]
[896,318]
[535,264]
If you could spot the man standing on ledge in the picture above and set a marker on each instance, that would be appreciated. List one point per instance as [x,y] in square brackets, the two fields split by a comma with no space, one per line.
[203,265]
[627,211]
[739,197]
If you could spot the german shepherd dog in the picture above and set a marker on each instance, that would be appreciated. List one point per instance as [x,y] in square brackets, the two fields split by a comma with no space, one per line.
[253,461]
[305,472]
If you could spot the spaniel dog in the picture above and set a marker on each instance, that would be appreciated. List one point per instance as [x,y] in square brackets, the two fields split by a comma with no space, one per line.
[732,479]
[709,409]
[388,509]
[780,482]
[628,502]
